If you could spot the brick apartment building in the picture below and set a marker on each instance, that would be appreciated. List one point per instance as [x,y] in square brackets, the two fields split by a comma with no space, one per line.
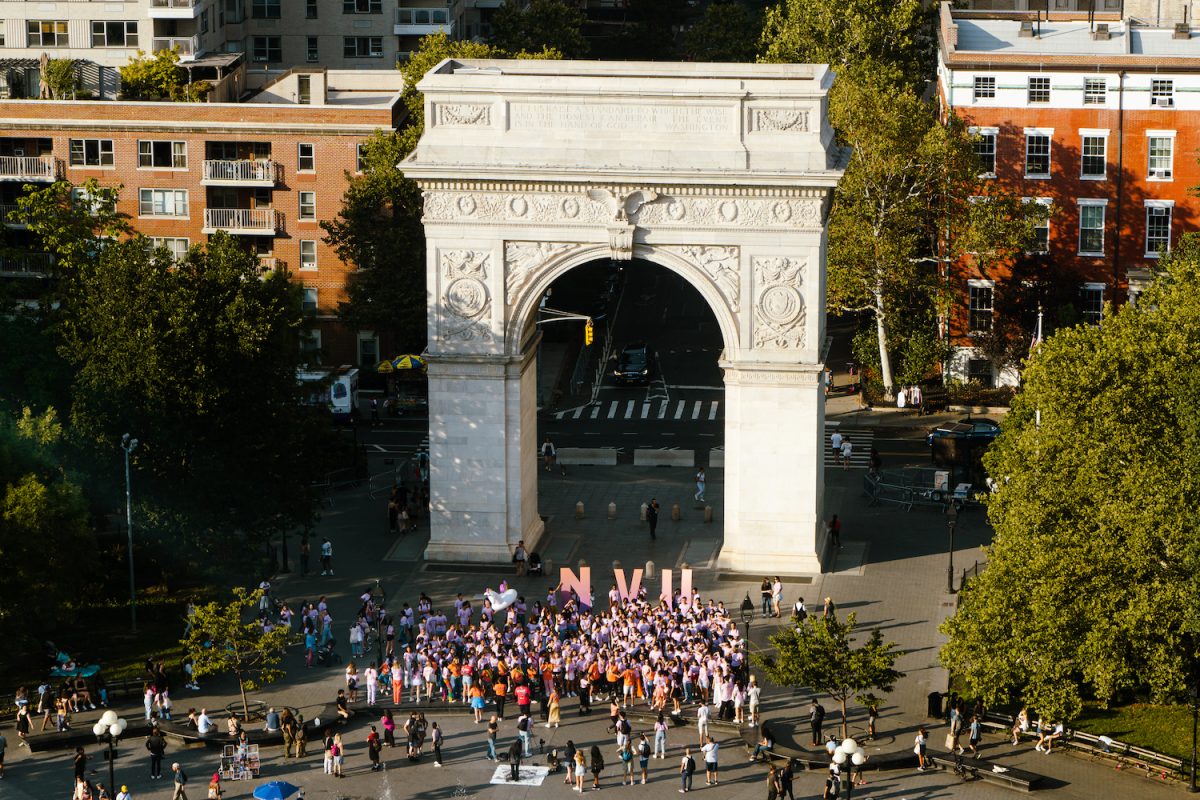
[1097,117]
[266,171]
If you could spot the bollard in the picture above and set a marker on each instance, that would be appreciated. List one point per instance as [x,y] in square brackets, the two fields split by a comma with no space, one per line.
[642,512]
[708,513]
[675,512]
[579,510]
[616,565]
[547,566]
[612,510]
[650,568]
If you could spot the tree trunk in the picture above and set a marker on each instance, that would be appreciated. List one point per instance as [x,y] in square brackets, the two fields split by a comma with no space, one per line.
[245,703]
[845,730]
[885,362]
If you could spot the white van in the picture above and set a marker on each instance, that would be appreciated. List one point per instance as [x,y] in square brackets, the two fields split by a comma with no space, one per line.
[336,388]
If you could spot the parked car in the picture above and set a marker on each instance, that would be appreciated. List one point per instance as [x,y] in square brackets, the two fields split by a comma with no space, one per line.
[961,444]
[634,365]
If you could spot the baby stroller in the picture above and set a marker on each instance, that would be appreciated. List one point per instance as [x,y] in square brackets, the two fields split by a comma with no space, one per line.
[326,655]
[535,564]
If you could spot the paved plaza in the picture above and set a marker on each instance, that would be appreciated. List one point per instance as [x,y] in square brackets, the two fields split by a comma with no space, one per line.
[891,572]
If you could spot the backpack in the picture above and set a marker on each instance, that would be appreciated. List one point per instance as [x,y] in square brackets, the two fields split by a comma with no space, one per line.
[691,765]
[626,728]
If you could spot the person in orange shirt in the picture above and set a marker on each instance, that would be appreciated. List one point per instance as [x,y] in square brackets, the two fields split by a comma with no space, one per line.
[455,681]
[500,690]
[629,679]
[477,702]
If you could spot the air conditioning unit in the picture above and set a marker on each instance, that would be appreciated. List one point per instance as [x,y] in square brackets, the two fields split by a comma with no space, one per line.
[18,151]
[1101,34]
[1161,174]
[1163,102]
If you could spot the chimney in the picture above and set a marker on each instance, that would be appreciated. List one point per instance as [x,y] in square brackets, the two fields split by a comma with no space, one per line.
[1182,31]
[1101,33]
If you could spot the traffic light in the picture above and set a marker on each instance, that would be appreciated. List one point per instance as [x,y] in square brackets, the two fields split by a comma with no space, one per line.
[587,333]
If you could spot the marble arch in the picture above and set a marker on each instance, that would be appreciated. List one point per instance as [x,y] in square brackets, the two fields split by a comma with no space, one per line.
[720,172]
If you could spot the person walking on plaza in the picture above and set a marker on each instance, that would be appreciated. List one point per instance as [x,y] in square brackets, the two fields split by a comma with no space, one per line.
[773,788]
[709,750]
[919,742]
[700,483]
[652,516]
[702,715]
[124,793]
[776,597]
[580,770]
[644,756]
[660,736]
[549,454]
[625,753]
[215,792]
[437,736]
[816,719]
[835,445]
[493,728]
[835,531]
[597,764]
[764,589]
[847,452]
[156,743]
[520,557]
[180,792]
[786,777]
[524,723]
[326,557]
[554,716]
[687,768]
[372,679]
[373,749]
[338,751]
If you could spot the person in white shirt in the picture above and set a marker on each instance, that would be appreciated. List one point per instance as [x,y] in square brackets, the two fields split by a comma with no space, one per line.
[752,698]
[702,714]
[710,761]
[835,444]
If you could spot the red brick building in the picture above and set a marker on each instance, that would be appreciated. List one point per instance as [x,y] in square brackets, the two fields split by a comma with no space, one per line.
[1097,118]
[267,171]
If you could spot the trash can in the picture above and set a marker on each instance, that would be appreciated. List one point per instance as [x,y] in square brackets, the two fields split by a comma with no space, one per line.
[934,708]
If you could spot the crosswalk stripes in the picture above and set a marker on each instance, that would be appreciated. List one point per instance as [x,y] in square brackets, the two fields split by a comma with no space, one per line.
[860,455]
[665,410]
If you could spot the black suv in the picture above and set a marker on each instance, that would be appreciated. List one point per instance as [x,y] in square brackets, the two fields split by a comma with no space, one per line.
[633,365]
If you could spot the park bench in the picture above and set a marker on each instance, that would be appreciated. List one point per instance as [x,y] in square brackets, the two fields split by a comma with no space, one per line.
[989,772]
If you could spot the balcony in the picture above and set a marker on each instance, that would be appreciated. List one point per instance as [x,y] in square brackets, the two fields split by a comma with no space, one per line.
[28,168]
[242,172]
[251,221]
[5,210]
[25,265]
[189,46]
[174,9]
[422,21]
[271,264]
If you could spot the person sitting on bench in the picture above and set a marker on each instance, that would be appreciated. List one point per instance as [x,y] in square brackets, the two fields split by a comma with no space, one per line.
[272,721]
[764,746]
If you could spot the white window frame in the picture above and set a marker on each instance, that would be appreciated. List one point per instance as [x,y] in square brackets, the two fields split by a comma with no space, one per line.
[977,283]
[173,244]
[312,157]
[368,336]
[1159,206]
[311,299]
[308,260]
[1102,95]
[984,134]
[1100,203]
[130,30]
[1048,133]
[176,195]
[1045,226]
[1162,93]
[1093,133]
[358,157]
[308,210]
[178,161]
[1160,174]
[980,89]
[1093,317]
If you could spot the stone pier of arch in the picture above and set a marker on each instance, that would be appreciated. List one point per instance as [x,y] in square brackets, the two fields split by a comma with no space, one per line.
[720,172]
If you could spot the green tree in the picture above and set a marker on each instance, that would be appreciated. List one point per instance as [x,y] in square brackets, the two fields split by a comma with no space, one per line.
[1090,588]
[60,77]
[158,77]
[821,654]
[884,41]
[72,223]
[540,25]
[225,638]
[728,31]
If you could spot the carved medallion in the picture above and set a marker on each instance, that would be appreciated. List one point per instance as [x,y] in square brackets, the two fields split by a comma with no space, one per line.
[464,114]
[465,298]
[779,312]
[781,120]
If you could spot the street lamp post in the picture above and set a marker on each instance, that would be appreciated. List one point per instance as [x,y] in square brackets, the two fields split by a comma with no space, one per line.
[747,615]
[129,445]
[951,518]
[109,728]
[1194,691]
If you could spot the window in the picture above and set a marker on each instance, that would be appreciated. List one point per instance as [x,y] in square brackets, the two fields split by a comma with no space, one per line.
[310,344]
[368,349]
[1091,227]
[91,153]
[310,295]
[360,157]
[1037,155]
[979,370]
[1158,228]
[303,89]
[46,33]
[1039,89]
[1095,91]
[984,87]
[308,260]
[177,246]
[1093,159]
[312,51]
[362,47]
[114,34]
[1161,149]
[1041,231]
[306,157]
[266,48]
[204,21]
[163,202]
[308,205]
[1162,93]
[985,149]
[1,33]
[162,155]
[980,306]
[362,6]
[1091,301]
[264,9]
[310,11]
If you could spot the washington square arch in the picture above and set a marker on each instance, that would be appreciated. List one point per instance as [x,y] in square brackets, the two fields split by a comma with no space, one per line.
[722,173]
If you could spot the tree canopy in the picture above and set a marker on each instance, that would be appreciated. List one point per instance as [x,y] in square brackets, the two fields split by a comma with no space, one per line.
[728,31]
[541,24]
[1090,589]
[820,654]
